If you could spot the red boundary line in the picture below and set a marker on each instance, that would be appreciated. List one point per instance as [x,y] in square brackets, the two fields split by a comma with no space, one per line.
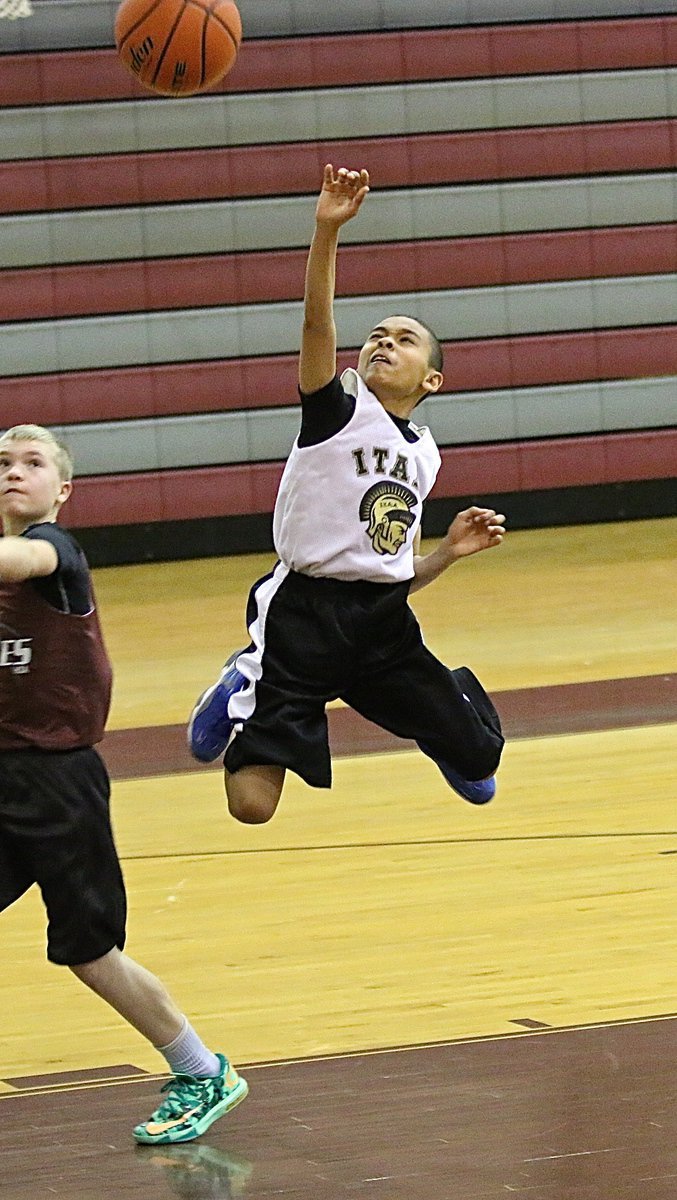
[135,753]
[277,63]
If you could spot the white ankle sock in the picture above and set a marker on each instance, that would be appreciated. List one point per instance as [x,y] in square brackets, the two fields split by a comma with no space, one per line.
[188,1055]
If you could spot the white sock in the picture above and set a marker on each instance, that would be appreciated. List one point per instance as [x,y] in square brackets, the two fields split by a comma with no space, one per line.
[188,1055]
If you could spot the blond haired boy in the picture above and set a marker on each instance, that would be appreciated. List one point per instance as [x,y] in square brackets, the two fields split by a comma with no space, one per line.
[55,688]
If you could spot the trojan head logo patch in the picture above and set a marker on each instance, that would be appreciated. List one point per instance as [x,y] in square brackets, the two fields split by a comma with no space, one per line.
[387,510]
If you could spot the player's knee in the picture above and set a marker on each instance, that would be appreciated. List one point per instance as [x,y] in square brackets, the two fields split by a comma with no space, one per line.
[251,810]
[253,793]
[91,973]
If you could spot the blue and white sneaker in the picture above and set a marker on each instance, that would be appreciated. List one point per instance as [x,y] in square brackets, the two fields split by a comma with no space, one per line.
[210,727]
[480,791]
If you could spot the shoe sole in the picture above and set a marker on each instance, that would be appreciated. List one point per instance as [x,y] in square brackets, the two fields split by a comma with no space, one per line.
[471,799]
[459,786]
[463,787]
[229,1102]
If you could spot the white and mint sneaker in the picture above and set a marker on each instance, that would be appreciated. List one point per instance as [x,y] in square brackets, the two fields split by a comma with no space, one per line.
[192,1104]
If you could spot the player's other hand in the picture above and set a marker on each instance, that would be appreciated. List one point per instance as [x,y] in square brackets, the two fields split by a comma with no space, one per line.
[475,529]
[342,194]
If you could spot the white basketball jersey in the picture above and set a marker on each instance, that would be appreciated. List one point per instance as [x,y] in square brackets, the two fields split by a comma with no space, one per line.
[350,507]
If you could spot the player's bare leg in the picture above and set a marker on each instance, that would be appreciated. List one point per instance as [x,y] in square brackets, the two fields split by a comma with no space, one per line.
[205,1085]
[136,994]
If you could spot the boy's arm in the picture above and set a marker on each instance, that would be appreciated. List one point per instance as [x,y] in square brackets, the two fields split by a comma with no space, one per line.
[26,558]
[340,199]
[472,530]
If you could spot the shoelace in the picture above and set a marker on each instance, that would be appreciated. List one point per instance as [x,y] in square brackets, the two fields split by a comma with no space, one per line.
[184,1092]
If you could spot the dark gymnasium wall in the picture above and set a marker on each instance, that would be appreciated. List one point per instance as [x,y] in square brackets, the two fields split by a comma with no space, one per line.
[524,204]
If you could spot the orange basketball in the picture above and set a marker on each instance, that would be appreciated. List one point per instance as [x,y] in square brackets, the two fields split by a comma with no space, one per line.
[178,47]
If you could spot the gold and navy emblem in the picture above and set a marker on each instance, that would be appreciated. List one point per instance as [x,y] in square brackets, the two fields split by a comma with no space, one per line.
[387,509]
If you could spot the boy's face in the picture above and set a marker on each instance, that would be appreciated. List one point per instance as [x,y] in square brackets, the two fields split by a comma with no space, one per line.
[31,488]
[395,360]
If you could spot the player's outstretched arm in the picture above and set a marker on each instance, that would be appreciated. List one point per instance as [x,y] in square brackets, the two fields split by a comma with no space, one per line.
[342,194]
[472,530]
[26,558]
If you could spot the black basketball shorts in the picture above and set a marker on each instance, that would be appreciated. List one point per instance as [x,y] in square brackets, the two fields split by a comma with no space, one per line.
[55,831]
[317,640]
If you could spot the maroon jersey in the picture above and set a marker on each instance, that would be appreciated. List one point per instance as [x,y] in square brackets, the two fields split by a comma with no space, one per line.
[55,675]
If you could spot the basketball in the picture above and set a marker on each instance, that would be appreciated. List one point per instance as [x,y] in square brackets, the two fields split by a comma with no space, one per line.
[178,47]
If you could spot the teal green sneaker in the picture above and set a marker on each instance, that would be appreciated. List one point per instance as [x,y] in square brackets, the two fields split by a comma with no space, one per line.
[193,1104]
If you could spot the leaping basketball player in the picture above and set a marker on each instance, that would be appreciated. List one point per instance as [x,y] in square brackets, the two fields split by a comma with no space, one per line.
[332,619]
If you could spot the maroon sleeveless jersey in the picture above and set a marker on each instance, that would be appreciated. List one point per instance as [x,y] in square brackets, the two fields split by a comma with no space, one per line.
[55,675]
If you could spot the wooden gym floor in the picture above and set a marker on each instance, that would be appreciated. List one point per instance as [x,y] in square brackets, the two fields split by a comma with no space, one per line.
[429,1000]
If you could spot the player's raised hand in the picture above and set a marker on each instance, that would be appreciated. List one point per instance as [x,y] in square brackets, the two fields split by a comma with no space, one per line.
[342,194]
[475,529]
